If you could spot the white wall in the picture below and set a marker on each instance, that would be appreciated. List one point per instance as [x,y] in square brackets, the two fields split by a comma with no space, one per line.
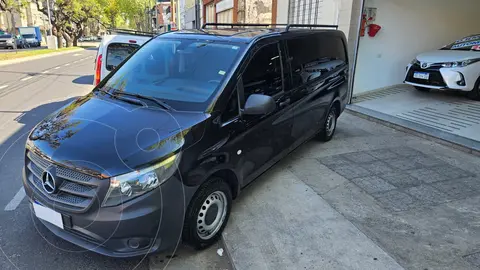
[409,27]
[282,11]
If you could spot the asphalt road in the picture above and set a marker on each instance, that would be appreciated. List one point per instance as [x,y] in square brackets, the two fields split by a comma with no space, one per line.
[28,92]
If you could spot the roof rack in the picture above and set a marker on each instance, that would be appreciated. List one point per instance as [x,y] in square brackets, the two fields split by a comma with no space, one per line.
[242,24]
[287,26]
[131,32]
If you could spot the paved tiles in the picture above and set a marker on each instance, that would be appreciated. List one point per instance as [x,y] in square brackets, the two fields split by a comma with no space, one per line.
[401,177]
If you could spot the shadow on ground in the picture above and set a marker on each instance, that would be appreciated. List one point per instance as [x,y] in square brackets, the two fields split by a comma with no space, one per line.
[88,79]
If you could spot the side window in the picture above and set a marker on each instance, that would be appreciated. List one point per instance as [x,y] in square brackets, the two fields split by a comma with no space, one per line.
[232,109]
[314,55]
[263,74]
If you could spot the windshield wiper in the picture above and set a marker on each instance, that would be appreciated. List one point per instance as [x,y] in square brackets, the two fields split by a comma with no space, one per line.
[156,100]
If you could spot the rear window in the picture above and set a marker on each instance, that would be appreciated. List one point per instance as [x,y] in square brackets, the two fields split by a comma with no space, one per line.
[314,55]
[5,36]
[28,36]
[117,52]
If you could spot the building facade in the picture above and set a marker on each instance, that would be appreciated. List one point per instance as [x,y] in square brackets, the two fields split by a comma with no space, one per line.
[163,15]
[28,16]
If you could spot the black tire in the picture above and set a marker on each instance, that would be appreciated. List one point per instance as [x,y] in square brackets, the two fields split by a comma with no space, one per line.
[326,134]
[475,93]
[191,234]
[422,89]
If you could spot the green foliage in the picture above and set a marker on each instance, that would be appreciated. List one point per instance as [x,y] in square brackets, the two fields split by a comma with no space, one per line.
[12,5]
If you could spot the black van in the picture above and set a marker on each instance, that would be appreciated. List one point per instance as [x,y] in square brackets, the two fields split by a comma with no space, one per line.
[159,149]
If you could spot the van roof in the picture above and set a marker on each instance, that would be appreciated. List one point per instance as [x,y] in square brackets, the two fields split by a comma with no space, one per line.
[124,39]
[243,34]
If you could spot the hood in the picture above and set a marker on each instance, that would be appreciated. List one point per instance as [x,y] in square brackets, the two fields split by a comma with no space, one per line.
[110,137]
[445,56]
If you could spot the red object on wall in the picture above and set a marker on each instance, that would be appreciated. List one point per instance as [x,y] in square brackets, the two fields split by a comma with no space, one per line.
[373,29]
[363,25]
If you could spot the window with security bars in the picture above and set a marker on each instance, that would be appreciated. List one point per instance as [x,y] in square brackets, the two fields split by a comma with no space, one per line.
[313,11]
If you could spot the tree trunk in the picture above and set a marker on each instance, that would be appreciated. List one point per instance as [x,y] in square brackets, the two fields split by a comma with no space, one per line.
[12,30]
[68,39]
[113,19]
[77,36]
[59,39]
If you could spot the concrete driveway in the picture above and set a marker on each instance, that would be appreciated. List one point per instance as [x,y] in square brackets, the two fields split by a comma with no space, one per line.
[372,198]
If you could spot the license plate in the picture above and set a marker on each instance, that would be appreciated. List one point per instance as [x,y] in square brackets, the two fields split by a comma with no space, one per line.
[48,215]
[421,75]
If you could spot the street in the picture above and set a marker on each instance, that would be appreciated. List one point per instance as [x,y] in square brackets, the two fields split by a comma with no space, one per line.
[28,92]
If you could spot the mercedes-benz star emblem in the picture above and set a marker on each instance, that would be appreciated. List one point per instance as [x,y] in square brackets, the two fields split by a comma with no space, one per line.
[48,182]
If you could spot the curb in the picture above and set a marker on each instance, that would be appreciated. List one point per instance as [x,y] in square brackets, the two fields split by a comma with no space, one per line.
[227,252]
[454,141]
[35,57]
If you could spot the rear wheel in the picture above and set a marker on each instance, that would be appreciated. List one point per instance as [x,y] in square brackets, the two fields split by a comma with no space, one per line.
[475,93]
[422,89]
[329,126]
[207,214]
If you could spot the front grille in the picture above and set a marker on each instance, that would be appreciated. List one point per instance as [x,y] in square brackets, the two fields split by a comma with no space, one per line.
[76,192]
[435,77]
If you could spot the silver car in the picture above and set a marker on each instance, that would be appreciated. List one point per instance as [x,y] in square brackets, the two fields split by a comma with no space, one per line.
[7,41]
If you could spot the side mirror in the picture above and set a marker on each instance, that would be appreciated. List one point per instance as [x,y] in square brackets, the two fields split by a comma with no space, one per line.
[259,105]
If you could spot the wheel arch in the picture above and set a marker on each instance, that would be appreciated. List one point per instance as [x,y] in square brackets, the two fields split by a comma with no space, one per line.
[230,177]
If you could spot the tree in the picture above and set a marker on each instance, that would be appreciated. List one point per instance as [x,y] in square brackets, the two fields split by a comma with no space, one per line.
[69,17]
[12,7]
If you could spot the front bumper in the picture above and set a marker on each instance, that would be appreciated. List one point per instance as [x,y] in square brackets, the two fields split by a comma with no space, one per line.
[137,227]
[444,78]
[6,45]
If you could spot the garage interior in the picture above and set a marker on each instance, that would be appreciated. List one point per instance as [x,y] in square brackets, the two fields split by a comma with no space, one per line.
[408,28]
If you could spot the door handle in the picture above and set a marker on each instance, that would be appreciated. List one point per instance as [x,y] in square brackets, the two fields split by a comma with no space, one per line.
[284,103]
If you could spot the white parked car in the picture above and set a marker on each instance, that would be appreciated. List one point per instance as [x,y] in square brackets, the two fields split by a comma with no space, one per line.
[114,49]
[455,66]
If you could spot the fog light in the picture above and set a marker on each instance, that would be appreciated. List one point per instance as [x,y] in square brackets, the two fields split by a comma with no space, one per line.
[133,243]
[461,79]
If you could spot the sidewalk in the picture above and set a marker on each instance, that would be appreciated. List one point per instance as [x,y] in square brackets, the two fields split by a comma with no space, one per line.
[372,198]
[281,223]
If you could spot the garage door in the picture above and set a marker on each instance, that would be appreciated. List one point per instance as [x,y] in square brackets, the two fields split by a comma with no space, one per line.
[225,16]
[210,13]
[313,11]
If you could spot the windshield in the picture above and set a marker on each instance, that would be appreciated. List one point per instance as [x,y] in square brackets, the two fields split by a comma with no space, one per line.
[185,74]
[5,36]
[465,44]
[28,36]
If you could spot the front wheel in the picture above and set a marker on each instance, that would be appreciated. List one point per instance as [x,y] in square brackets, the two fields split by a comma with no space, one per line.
[422,89]
[207,214]
[329,126]
[475,93]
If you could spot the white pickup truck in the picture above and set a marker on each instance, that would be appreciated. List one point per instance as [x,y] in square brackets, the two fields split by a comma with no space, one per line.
[116,47]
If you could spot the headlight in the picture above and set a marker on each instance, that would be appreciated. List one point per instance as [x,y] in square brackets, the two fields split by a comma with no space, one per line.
[460,64]
[131,185]
[415,61]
